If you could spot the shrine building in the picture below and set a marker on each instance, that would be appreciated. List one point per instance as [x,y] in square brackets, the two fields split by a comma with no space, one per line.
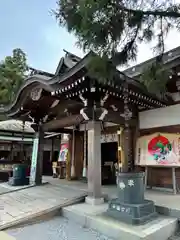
[73,102]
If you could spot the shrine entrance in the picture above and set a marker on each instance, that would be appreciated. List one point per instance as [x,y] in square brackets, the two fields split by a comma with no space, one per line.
[109,156]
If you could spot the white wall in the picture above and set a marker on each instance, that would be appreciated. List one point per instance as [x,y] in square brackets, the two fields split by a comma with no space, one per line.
[160,117]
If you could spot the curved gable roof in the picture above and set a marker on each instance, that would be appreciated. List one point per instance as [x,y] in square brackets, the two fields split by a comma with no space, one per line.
[66,63]
[72,67]
[29,84]
[46,82]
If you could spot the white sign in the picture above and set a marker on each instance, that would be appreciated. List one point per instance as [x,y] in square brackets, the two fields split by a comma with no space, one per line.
[34,159]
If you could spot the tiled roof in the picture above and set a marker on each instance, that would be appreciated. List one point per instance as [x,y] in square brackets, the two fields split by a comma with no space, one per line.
[168,57]
[16,126]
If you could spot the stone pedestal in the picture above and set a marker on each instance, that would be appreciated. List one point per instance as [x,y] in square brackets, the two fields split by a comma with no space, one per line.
[130,206]
[94,162]
[94,201]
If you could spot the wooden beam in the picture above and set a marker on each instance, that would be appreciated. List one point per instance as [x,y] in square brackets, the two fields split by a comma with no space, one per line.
[115,117]
[56,124]
[66,104]
[64,130]
[164,129]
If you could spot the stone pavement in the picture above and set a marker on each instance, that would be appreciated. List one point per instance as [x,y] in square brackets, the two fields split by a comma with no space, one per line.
[166,202]
[19,206]
[6,188]
[57,228]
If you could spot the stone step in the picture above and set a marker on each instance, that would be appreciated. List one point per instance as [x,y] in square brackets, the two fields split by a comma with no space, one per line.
[95,217]
[40,216]
[176,236]
[5,236]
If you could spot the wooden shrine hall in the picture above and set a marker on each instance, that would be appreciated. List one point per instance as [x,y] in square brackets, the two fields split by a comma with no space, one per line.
[73,102]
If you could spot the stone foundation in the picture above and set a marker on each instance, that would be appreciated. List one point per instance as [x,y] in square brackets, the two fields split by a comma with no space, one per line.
[132,213]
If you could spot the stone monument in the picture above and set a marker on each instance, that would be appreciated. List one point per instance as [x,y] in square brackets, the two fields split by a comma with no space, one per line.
[130,205]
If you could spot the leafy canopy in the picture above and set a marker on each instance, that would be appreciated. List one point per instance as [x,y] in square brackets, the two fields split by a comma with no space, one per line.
[155,78]
[114,28]
[12,73]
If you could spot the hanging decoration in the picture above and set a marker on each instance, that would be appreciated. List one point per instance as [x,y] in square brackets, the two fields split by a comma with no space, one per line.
[63,152]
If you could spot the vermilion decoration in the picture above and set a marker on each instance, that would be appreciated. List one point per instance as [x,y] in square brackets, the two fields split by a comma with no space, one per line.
[161,149]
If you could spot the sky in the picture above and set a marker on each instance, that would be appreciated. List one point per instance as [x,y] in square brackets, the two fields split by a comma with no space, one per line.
[29,25]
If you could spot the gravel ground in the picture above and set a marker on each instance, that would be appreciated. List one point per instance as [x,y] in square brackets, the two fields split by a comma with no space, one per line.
[57,228]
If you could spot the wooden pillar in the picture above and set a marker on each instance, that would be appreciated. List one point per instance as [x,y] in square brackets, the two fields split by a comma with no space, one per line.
[78,154]
[22,143]
[120,134]
[73,156]
[52,150]
[135,136]
[94,163]
[12,152]
[128,157]
[68,160]
[85,156]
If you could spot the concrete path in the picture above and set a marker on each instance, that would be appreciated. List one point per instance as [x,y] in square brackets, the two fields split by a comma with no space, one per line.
[17,207]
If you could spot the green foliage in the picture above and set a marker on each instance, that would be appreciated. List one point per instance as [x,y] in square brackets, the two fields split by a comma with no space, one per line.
[102,69]
[12,74]
[155,78]
[114,28]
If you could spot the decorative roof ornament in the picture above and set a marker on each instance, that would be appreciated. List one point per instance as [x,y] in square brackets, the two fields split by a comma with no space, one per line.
[36,94]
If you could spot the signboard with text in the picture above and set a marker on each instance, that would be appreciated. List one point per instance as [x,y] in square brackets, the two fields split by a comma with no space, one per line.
[34,159]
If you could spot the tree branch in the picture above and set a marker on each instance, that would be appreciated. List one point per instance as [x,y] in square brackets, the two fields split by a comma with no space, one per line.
[155,13]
